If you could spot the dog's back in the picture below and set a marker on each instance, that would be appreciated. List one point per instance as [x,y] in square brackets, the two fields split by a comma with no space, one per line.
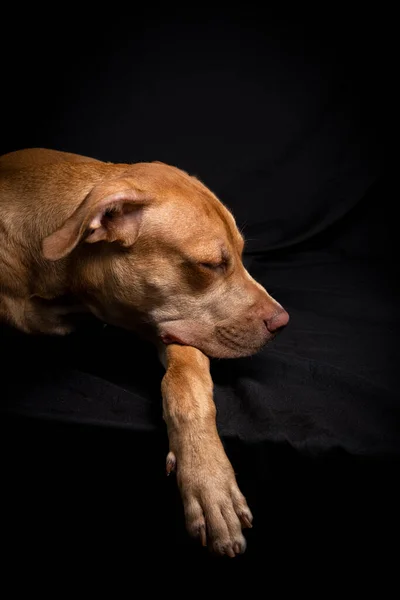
[34,157]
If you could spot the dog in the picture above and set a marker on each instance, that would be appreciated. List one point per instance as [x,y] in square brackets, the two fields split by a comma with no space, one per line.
[148,248]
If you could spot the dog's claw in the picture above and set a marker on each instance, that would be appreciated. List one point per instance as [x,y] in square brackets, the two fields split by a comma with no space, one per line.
[236,548]
[230,552]
[246,521]
[202,535]
[171,463]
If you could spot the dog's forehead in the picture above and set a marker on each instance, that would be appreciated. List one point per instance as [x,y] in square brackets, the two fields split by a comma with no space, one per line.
[189,204]
[200,212]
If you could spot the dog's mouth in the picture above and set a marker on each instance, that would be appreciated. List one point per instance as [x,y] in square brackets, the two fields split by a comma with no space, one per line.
[238,345]
[169,338]
[217,342]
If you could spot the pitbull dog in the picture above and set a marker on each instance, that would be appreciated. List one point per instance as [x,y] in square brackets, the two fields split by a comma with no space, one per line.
[148,248]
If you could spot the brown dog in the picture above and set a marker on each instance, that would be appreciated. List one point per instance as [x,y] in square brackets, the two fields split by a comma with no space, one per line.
[149,248]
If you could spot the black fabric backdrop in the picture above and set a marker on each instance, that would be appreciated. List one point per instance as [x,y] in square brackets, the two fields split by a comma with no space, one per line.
[286,120]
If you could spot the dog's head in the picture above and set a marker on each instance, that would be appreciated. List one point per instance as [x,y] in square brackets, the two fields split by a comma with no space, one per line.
[156,246]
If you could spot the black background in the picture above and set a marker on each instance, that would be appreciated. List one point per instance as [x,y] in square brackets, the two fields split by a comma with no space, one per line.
[288,119]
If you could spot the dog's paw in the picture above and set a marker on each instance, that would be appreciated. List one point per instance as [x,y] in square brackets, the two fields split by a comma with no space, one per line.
[215,509]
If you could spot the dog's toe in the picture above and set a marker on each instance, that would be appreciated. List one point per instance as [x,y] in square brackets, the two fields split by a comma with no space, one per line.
[215,520]
[195,521]
[241,508]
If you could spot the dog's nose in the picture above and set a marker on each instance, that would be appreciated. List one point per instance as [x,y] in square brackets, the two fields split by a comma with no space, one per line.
[277,322]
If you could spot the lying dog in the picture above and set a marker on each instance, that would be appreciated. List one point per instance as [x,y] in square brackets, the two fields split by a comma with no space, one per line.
[148,248]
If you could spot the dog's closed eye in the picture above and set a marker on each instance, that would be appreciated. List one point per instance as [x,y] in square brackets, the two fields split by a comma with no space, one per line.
[217,267]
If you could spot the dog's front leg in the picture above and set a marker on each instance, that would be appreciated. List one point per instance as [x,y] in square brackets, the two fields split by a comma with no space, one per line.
[215,509]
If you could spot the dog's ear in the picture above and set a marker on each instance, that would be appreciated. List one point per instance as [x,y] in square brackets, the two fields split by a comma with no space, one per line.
[111,212]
